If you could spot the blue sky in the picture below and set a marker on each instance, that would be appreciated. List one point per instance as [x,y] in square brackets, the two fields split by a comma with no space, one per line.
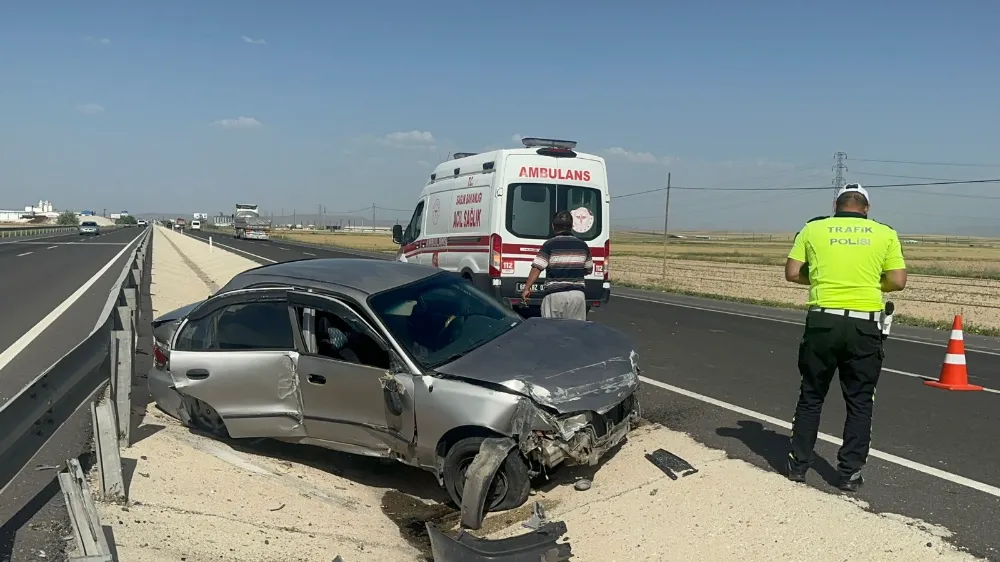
[137,105]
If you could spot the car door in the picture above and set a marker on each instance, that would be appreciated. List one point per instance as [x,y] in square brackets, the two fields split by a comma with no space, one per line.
[343,368]
[237,354]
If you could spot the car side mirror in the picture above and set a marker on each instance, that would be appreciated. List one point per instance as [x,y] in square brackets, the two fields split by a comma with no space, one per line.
[397,234]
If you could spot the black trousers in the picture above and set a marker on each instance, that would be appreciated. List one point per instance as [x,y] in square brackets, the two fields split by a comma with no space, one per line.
[854,348]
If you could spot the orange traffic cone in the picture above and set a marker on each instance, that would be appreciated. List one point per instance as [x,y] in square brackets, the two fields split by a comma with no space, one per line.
[954,375]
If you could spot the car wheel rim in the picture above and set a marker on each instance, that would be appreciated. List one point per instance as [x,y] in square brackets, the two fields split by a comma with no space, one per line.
[498,489]
[210,418]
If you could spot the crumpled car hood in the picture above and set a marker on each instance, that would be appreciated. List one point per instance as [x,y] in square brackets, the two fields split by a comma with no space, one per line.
[568,365]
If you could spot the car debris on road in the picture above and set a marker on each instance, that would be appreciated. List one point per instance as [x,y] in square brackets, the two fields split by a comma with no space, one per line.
[400,361]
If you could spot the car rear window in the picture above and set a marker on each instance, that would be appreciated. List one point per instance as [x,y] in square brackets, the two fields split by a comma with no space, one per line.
[90,224]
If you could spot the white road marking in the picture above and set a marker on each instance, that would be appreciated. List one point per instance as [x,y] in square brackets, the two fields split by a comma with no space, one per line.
[309,254]
[25,254]
[873,453]
[51,247]
[926,378]
[783,321]
[35,238]
[87,242]
[280,248]
[236,250]
[11,352]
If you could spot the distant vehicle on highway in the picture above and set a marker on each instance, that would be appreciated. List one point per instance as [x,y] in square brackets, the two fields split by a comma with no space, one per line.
[180,223]
[248,224]
[395,360]
[195,225]
[142,223]
[89,228]
[485,216]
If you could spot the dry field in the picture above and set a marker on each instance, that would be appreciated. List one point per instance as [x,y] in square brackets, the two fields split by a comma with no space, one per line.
[948,275]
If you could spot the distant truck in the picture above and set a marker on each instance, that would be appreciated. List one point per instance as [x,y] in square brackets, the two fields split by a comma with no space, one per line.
[248,225]
[180,223]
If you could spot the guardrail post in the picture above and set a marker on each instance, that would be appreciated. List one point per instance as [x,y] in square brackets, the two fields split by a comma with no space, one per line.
[109,462]
[121,378]
[91,544]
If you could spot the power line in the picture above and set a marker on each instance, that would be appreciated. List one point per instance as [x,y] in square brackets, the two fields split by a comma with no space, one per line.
[949,182]
[904,177]
[920,163]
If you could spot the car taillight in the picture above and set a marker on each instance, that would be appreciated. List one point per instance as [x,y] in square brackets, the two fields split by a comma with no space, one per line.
[496,254]
[607,259]
[160,358]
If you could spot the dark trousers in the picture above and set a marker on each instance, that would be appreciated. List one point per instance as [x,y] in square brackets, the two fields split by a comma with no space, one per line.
[854,348]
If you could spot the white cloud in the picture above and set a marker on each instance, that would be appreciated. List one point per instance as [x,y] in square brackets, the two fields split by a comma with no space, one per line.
[238,123]
[758,163]
[90,109]
[422,140]
[254,41]
[637,157]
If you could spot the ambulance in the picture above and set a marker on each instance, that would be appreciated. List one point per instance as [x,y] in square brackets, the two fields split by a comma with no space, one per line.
[484,216]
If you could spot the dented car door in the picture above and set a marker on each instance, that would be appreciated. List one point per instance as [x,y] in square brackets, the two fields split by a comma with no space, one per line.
[354,391]
[236,354]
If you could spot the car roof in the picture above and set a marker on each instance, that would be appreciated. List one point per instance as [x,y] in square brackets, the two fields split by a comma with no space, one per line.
[366,276]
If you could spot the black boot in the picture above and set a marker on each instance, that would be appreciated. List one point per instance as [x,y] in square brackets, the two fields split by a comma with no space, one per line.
[852,483]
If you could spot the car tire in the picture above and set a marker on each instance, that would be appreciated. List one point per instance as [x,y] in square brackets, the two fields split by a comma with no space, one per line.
[510,486]
[205,418]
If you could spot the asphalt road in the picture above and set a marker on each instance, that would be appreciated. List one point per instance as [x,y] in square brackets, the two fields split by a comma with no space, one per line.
[730,370]
[39,275]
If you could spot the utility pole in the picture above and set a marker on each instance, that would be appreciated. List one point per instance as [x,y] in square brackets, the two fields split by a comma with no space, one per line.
[373,217]
[839,168]
[666,217]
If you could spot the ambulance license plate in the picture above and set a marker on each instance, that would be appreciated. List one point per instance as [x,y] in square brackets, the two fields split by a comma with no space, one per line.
[535,287]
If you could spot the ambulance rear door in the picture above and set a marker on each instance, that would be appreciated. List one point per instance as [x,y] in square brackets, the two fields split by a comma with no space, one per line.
[535,188]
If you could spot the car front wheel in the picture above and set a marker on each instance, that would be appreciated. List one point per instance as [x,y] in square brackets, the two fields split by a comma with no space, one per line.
[510,486]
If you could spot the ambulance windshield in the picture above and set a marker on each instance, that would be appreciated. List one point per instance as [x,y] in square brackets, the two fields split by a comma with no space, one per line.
[530,207]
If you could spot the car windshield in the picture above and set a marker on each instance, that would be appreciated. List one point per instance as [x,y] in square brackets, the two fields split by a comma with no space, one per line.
[441,318]
[530,207]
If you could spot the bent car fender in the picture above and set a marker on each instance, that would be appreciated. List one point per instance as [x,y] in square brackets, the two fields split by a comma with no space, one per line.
[478,477]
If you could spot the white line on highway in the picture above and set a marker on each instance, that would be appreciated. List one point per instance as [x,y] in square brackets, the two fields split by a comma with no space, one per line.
[874,453]
[309,254]
[916,376]
[51,247]
[236,250]
[35,238]
[87,242]
[24,254]
[783,321]
[11,352]
[280,248]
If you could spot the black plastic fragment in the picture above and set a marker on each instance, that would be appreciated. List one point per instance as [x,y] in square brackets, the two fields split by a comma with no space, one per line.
[537,546]
[670,464]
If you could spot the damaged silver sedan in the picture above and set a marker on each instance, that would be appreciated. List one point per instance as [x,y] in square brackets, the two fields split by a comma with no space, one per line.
[402,361]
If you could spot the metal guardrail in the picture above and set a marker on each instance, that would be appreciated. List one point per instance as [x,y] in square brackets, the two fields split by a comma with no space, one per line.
[98,370]
[17,231]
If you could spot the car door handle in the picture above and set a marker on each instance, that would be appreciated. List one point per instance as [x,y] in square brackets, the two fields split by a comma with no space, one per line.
[197,374]
[317,379]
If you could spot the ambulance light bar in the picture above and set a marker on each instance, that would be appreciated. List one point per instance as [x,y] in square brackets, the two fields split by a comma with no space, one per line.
[532,142]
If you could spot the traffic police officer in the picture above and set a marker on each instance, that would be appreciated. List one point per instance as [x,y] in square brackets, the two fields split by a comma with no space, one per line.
[851,260]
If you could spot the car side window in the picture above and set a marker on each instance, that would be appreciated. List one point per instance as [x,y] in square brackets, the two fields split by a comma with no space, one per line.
[196,335]
[254,326]
[342,336]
